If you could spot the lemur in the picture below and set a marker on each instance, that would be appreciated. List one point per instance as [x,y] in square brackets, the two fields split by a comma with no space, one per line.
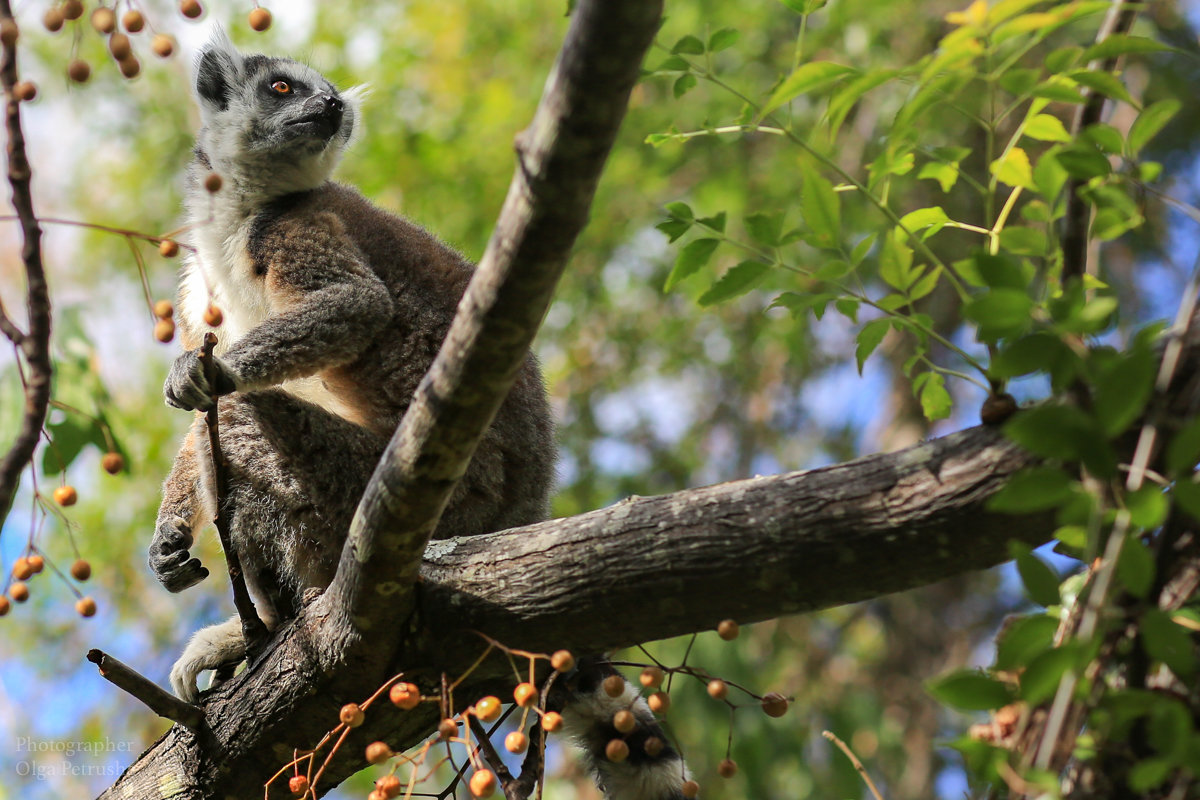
[333,310]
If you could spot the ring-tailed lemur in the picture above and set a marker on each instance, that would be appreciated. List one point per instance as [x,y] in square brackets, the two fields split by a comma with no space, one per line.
[333,311]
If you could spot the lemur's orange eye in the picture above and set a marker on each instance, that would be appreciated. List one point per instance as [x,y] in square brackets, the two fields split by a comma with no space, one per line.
[282,87]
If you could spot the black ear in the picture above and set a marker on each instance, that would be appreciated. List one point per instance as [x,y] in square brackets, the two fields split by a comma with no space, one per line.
[218,70]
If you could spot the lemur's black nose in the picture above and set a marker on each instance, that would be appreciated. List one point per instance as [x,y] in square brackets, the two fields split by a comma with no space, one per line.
[333,103]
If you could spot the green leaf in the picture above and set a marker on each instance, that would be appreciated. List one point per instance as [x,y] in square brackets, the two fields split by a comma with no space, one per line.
[933,216]
[1019,82]
[1104,82]
[680,210]
[1135,567]
[1119,44]
[820,206]
[863,247]
[716,222]
[765,227]
[689,45]
[930,388]
[1049,177]
[1022,240]
[1014,168]
[1083,162]
[735,283]
[674,64]
[896,261]
[945,174]
[970,691]
[683,84]
[810,77]
[799,305]
[1165,641]
[68,437]
[925,285]
[1024,639]
[1032,353]
[1000,313]
[1046,128]
[1041,677]
[845,98]
[869,338]
[1184,450]
[1033,489]
[1063,58]
[1147,506]
[832,270]
[1152,120]
[1060,89]
[722,40]
[1122,391]
[692,257]
[1060,432]
[1040,580]
[1187,497]
[848,308]
[1149,774]
[1106,137]
[674,228]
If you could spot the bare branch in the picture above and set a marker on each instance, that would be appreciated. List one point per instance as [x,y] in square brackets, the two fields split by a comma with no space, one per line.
[34,346]
[560,157]
[160,702]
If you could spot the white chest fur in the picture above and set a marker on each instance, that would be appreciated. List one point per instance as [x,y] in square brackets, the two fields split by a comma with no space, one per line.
[221,272]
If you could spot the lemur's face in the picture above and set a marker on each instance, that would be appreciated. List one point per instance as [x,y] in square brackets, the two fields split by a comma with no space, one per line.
[272,119]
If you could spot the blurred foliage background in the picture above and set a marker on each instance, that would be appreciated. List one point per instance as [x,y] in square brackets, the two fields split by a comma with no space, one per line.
[652,393]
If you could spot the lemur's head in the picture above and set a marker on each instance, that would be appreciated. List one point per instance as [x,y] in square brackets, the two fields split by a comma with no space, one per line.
[271,125]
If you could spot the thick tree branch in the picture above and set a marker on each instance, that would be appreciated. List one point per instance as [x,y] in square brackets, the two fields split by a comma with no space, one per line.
[560,157]
[35,344]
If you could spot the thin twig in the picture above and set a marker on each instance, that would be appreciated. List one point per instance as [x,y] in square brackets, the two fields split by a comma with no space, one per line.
[35,345]
[254,632]
[858,765]
[156,699]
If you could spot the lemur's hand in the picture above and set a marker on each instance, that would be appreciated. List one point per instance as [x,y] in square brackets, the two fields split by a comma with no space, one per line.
[187,385]
[169,557]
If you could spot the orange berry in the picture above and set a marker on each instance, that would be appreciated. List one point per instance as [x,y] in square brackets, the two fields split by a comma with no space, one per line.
[405,695]
[378,752]
[377,795]
[104,20]
[21,569]
[164,309]
[25,91]
[112,463]
[351,715]
[53,19]
[260,19]
[133,20]
[488,708]
[659,702]
[190,9]
[483,784]
[552,721]
[5,606]
[168,248]
[162,45]
[690,789]
[65,495]
[614,686]
[624,721]
[728,630]
[130,67]
[516,742]
[562,661]
[9,32]
[616,751]
[36,563]
[72,9]
[213,316]
[164,330]
[526,695]
[298,784]
[718,689]
[727,768]
[388,786]
[81,570]
[651,677]
[653,746]
[212,183]
[447,728]
[19,591]
[86,607]
[120,46]
[774,704]
[79,70]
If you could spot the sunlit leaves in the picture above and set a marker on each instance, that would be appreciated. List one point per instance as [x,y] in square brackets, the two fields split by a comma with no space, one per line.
[810,77]
[1013,168]
[1152,120]
[1121,44]
[734,283]
[694,255]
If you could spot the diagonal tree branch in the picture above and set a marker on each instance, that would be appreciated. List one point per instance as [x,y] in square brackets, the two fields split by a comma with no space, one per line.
[560,157]
[35,344]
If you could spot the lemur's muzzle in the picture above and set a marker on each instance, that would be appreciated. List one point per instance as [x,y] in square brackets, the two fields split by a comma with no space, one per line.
[323,112]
